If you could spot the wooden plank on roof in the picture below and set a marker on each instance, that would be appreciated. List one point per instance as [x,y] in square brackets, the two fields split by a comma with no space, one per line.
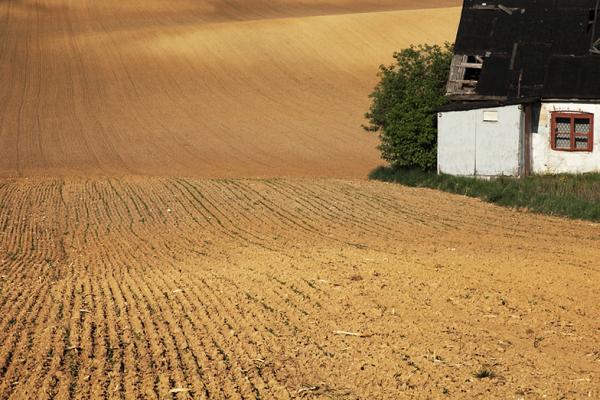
[472,65]
[466,82]
[492,7]
[457,72]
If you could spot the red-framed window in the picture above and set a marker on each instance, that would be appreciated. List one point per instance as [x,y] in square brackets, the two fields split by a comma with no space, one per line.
[572,131]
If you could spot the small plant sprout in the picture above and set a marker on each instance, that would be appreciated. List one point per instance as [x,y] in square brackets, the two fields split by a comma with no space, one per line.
[484,373]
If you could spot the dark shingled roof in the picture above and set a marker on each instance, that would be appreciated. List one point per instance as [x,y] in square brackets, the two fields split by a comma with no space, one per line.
[552,39]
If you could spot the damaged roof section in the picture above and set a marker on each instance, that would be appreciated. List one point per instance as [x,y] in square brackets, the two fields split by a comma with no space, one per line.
[510,49]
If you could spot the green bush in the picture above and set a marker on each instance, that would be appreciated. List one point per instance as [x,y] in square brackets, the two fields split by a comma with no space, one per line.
[404,102]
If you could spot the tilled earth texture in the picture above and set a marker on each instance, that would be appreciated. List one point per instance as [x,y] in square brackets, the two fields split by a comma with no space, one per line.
[289,288]
[274,271]
[217,88]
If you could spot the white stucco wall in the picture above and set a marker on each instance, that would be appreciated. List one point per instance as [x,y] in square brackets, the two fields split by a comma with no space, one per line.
[468,145]
[456,143]
[548,161]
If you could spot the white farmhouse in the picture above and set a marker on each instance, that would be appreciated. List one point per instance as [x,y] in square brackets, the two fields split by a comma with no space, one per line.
[524,89]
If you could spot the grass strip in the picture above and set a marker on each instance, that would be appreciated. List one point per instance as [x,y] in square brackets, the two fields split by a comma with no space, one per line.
[573,196]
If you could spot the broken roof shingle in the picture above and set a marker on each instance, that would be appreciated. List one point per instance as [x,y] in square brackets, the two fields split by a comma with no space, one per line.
[533,48]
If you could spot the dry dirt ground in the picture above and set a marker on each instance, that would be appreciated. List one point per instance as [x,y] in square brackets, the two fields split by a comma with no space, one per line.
[216,88]
[231,289]
[117,286]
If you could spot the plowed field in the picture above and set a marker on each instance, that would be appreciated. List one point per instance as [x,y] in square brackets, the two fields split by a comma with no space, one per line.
[131,288]
[215,88]
[120,279]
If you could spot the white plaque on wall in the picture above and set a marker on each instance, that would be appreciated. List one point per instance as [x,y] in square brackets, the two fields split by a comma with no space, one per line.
[490,116]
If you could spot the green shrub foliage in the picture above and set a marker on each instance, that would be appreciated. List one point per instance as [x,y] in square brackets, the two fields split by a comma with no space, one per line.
[404,102]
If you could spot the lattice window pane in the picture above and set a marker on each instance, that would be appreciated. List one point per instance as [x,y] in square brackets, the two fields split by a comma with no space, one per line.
[563,125]
[581,142]
[563,141]
[582,125]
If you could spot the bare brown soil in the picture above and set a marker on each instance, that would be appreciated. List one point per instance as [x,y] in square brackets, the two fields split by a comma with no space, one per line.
[130,288]
[114,286]
[213,88]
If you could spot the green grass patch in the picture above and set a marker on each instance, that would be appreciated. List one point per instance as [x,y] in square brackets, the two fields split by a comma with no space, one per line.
[573,196]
